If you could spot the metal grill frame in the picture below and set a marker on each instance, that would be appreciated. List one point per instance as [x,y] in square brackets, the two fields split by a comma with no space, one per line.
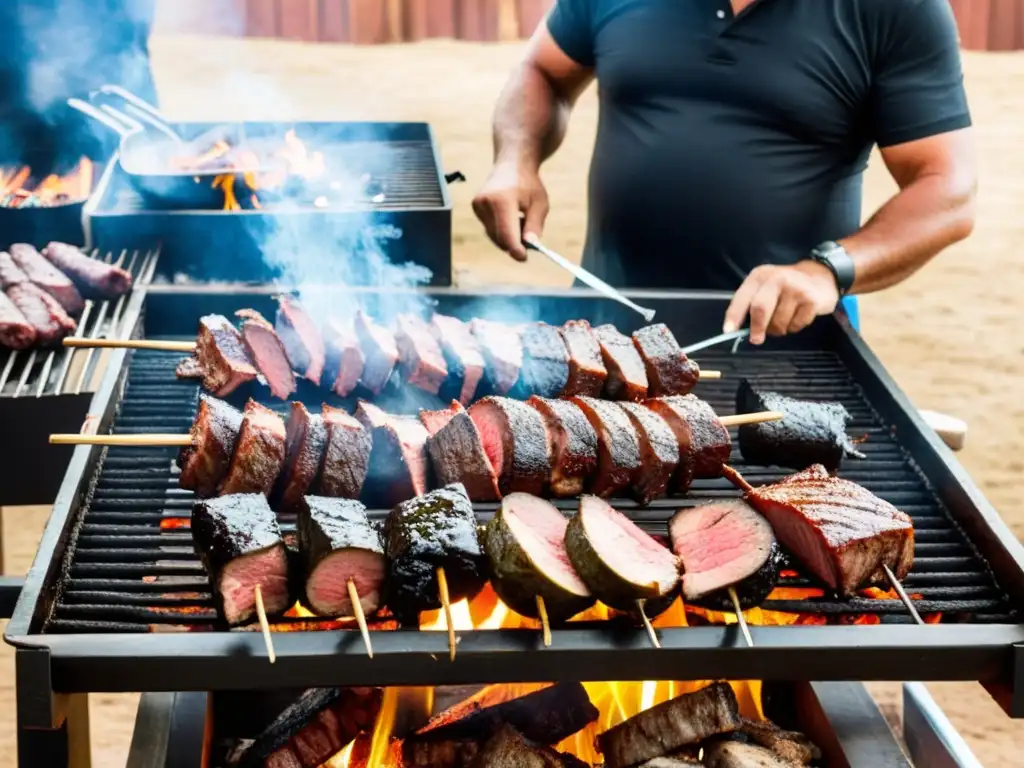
[989,653]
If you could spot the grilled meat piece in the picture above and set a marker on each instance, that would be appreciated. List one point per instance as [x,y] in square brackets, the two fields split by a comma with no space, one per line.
[587,373]
[509,749]
[839,530]
[346,456]
[572,445]
[669,370]
[789,745]
[627,377]
[204,463]
[457,454]
[302,339]
[526,546]
[305,444]
[222,357]
[15,331]
[422,362]
[463,357]
[810,433]
[618,562]
[545,369]
[503,353]
[48,277]
[267,353]
[259,452]
[338,544]
[736,754]
[702,436]
[344,357]
[189,368]
[10,273]
[398,459]
[514,439]
[93,278]
[659,452]
[435,421]
[618,446]
[380,353]
[679,722]
[435,530]
[239,542]
[40,310]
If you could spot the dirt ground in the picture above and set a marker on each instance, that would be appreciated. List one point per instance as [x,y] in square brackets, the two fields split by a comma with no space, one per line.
[950,336]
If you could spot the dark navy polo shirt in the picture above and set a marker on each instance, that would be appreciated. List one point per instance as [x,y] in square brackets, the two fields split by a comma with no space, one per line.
[727,142]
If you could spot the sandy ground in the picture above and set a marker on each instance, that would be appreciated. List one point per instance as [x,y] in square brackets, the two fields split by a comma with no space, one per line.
[950,336]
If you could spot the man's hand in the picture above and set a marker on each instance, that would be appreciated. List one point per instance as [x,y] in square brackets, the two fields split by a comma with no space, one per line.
[782,299]
[508,192]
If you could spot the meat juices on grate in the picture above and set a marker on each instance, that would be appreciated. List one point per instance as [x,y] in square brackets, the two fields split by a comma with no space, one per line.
[700,432]
[238,540]
[545,369]
[503,353]
[302,339]
[587,373]
[344,357]
[95,279]
[398,458]
[43,274]
[572,445]
[659,452]
[667,727]
[15,331]
[205,462]
[346,456]
[10,273]
[259,452]
[457,453]
[463,357]
[669,370]
[422,362]
[515,441]
[40,310]
[839,530]
[305,443]
[627,377]
[338,544]
[618,446]
[736,754]
[267,352]
[380,353]
[221,356]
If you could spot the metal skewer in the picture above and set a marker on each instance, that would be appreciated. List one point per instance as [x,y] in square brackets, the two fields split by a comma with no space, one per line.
[904,597]
[735,336]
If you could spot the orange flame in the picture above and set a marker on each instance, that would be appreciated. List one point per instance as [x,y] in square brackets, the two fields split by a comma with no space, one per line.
[55,189]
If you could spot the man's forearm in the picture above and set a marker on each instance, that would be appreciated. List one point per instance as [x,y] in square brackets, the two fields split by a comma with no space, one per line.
[530,119]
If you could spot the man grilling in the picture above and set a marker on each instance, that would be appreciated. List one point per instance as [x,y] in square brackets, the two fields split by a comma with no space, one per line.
[732,141]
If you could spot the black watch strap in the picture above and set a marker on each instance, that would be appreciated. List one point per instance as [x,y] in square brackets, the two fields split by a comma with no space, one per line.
[832,255]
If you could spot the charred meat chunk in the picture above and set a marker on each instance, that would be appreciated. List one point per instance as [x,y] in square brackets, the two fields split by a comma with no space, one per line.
[338,544]
[659,452]
[457,455]
[305,443]
[46,276]
[515,441]
[40,310]
[627,376]
[259,452]
[15,331]
[708,445]
[10,273]
[572,445]
[267,353]
[435,421]
[380,353]
[238,540]
[204,463]
[346,459]
[727,753]
[189,368]
[94,279]
[302,339]
[463,358]
[669,370]
[545,369]
[508,748]
[432,531]
[618,446]
[587,373]
[503,353]
[221,355]
[344,357]
[398,458]
[421,360]
[789,745]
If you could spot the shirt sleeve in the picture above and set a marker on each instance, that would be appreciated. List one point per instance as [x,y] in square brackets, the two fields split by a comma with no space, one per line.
[570,24]
[918,82]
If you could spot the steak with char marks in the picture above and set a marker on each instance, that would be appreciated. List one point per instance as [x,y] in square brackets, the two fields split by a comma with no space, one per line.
[305,442]
[46,276]
[221,355]
[587,373]
[463,357]
[259,452]
[659,452]
[204,464]
[422,362]
[457,453]
[302,339]
[618,446]
[346,455]
[545,369]
[398,458]
[708,445]
[344,357]
[627,376]
[267,353]
[572,445]
[515,441]
[669,370]
[380,353]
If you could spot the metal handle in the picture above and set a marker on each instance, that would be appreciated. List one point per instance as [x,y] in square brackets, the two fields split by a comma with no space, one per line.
[101,116]
[734,336]
[931,738]
[153,115]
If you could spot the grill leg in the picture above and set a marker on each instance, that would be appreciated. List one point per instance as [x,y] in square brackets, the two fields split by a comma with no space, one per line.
[67,744]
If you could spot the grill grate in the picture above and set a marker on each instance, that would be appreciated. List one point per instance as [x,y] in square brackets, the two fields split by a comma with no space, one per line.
[131,567]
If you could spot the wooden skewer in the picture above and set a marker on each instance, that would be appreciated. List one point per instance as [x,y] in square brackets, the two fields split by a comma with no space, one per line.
[153,344]
[740,618]
[357,609]
[708,375]
[446,602]
[647,624]
[261,612]
[751,418]
[542,612]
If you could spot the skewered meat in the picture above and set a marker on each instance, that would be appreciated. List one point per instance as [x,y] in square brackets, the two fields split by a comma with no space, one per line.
[659,452]
[545,369]
[669,370]
[435,530]
[627,377]
[457,454]
[435,421]
[346,456]
[93,278]
[839,530]
[587,373]
[515,442]
[503,353]
[221,356]
[618,562]
[463,357]
[239,542]
[214,433]
[48,318]
[259,452]
[267,353]
[618,446]
[43,274]
[702,436]
[380,353]
[305,443]
[10,273]
[526,547]
[810,433]
[661,730]
[724,544]
[398,459]
[189,368]
[736,754]
[344,357]
[422,362]
[789,745]
[302,339]
[15,330]
[572,445]
[339,544]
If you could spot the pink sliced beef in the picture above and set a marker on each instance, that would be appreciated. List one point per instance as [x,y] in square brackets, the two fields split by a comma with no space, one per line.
[659,452]
[587,372]
[204,464]
[463,357]
[669,370]
[503,353]
[48,277]
[344,357]
[627,376]
[221,355]
[398,458]
[346,456]
[572,445]
[302,339]
[457,453]
[259,452]
[380,353]
[515,441]
[709,444]
[267,352]
[305,442]
[618,457]
[421,361]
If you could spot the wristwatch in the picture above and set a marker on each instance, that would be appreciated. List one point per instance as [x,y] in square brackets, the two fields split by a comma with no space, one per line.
[832,255]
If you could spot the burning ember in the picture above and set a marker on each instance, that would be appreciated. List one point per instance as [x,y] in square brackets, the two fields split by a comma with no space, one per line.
[290,165]
[18,189]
